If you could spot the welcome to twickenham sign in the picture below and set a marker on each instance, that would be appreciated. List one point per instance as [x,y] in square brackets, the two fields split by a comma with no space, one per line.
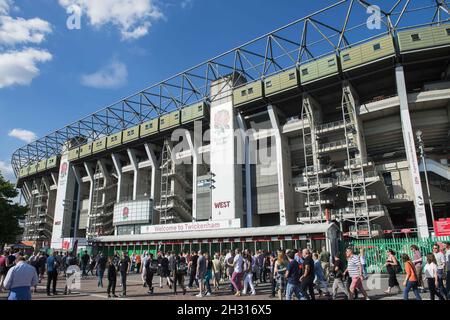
[192,226]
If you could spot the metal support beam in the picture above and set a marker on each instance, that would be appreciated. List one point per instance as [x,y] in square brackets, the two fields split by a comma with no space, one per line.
[118,167]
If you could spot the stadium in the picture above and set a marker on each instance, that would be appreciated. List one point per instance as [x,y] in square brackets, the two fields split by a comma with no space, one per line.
[334,126]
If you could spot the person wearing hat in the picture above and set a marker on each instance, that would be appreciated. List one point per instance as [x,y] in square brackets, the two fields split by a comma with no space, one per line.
[19,280]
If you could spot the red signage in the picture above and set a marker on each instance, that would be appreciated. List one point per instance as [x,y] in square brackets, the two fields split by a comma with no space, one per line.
[442,227]
[66,245]
[223,204]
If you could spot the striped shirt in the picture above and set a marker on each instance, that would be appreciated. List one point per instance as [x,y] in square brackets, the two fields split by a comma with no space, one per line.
[353,267]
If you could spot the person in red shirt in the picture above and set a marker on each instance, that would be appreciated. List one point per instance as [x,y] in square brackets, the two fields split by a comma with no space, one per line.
[3,270]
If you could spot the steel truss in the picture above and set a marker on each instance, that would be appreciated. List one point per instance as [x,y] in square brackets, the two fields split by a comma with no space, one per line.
[303,40]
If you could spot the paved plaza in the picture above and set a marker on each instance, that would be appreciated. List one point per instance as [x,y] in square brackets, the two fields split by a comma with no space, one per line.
[135,291]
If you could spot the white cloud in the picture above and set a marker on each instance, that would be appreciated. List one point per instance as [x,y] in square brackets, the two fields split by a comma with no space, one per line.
[5,6]
[18,30]
[133,17]
[24,135]
[6,170]
[111,76]
[20,67]
[186,3]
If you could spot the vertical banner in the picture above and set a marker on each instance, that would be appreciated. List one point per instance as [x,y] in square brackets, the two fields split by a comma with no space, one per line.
[411,156]
[59,205]
[222,161]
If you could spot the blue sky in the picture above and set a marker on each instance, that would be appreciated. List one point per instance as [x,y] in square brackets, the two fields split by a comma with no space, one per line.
[51,76]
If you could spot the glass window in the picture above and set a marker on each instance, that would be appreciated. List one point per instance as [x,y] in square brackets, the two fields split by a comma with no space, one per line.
[346,57]
[250,90]
[200,108]
[162,121]
[292,76]
[243,93]
[448,31]
[305,71]
[376,46]
[331,62]
[415,37]
[268,84]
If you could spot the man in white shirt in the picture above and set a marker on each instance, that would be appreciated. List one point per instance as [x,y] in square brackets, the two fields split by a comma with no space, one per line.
[20,279]
[440,262]
[144,260]
[237,272]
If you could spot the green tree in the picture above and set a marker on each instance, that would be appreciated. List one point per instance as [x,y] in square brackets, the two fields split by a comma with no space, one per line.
[10,213]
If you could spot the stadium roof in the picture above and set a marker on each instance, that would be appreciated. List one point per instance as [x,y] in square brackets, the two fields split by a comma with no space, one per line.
[326,31]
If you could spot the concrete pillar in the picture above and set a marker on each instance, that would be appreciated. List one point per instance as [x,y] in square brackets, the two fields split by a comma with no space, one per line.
[90,173]
[118,167]
[77,174]
[132,155]
[411,156]
[285,196]
[248,172]
[194,152]
[155,169]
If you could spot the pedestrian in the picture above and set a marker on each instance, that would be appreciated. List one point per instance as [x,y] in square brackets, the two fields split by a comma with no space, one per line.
[248,274]
[92,263]
[229,259]
[201,272]
[337,272]
[138,263]
[42,260]
[392,266]
[133,262]
[354,270]
[143,271]
[236,276]
[418,261]
[325,258]
[19,280]
[100,266]
[447,266]
[208,274]
[216,271]
[181,268]
[84,263]
[52,273]
[3,270]
[411,279]
[293,277]
[440,263]
[193,270]
[362,257]
[124,268]
[269,263]
[165,271]
[112,278]
[307,278]
[280,273]
[151,268]
[319,276]
[431,274]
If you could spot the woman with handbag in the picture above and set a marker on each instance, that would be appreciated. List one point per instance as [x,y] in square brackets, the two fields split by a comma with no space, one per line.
[412,280]
[393,267]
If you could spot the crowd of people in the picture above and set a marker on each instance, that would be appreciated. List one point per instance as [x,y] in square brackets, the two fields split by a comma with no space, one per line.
[300,273]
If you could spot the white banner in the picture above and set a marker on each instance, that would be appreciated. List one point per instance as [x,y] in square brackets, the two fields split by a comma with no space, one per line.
[192,226]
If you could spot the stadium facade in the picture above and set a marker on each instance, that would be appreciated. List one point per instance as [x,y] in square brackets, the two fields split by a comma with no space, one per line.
[267,145]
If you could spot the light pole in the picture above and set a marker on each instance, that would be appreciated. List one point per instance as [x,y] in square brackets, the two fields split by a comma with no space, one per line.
[419,135]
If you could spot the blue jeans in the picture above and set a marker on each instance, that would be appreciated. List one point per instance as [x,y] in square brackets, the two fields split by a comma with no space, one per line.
[448,284]
[20,293]
[293,289]
[441,287]
[414,285]
[100,274]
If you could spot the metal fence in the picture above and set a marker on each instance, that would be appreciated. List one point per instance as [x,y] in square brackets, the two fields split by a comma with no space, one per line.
[375,250]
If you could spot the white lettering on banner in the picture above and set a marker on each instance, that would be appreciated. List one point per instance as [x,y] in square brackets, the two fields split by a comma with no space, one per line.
[194,226]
